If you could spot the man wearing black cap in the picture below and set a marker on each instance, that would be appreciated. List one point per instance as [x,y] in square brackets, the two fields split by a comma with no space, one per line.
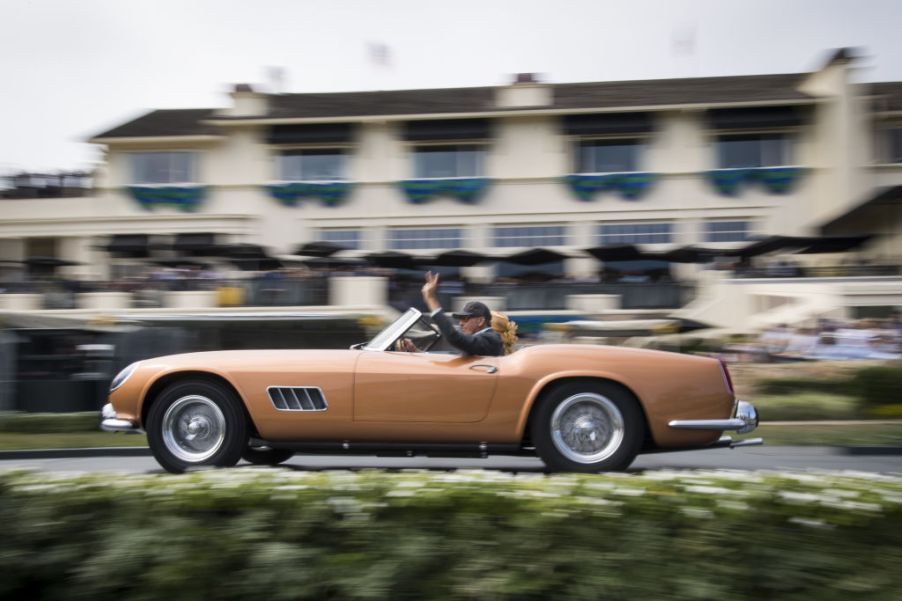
[475,335]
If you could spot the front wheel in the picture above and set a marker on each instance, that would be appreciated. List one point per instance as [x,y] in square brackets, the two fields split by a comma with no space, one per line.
[588,427]
[196,423]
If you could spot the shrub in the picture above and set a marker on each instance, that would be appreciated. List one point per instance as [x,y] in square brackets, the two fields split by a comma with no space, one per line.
[804,385]
[879,385]
[49,423]
[278,534]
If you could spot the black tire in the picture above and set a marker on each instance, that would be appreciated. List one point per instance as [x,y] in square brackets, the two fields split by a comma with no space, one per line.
[196,423]
[595,411]
[266,455]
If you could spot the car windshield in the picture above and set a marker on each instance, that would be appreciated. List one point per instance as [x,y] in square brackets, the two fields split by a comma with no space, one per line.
[412,324]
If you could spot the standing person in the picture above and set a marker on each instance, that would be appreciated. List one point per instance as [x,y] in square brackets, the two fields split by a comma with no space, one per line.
[475,335]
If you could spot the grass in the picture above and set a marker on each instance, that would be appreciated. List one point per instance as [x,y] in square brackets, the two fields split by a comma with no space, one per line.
[807,406]
[834,434]
[69,440]
[877,434]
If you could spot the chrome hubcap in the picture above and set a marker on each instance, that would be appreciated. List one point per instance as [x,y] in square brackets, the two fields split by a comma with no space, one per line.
[587,427]
[194,428]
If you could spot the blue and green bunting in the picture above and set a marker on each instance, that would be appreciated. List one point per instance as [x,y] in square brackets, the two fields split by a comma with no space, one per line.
[330,194]
[467,190]
[185,198]
[776,180]
[631,186]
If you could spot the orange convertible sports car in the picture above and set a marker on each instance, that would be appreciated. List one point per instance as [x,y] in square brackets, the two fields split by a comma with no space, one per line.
[578,407]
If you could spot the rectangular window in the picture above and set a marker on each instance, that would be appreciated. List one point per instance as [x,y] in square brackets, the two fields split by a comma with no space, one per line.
[894,145]
[351,239]
[408,238]
[635,233]
[462,160]
[727,231]
[312,165]
[530,235]
[164,167]
[749,151]
[608,156]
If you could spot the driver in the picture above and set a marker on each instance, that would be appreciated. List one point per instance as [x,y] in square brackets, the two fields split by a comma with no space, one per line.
[475,335]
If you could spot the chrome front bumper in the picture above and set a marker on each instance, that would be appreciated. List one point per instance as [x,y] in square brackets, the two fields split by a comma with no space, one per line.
[744,420]
[111,423]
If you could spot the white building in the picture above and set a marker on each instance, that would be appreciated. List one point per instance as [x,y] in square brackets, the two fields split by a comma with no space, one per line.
[496,170]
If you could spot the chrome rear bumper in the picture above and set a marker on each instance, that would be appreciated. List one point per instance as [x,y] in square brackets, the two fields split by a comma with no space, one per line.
[111,423]
[745,420]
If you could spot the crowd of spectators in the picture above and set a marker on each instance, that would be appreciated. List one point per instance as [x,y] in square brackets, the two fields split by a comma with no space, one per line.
[828,339]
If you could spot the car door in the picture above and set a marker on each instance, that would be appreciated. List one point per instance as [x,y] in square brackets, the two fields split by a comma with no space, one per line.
[423,387]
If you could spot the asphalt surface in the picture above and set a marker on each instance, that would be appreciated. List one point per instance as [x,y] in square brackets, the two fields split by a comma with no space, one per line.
[137,461]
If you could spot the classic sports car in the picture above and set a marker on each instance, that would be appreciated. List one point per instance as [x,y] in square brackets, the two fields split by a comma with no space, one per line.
[578,407]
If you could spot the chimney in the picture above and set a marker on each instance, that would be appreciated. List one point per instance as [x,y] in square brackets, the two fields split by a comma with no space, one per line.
[246,102]
[526,91]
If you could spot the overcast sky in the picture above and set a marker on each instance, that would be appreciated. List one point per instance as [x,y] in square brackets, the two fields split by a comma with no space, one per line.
[72,68]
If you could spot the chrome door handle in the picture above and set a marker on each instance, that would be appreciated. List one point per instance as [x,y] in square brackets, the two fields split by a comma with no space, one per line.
[489,369]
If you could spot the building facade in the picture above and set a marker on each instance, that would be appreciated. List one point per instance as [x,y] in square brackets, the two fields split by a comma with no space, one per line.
[662,163]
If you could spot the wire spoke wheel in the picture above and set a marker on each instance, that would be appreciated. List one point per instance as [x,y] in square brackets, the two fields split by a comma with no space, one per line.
[587,428]
[194,428]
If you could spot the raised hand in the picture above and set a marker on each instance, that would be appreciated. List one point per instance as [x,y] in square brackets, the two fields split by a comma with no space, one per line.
[431,285]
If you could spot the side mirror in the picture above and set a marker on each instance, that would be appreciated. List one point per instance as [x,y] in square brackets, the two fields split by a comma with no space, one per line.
[358,346]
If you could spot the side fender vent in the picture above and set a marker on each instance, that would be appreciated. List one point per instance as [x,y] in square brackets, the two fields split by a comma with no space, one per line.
[297,398]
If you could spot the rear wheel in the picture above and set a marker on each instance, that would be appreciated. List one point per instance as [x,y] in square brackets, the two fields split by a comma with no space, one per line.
[196,423]
[263,455]
[588,426]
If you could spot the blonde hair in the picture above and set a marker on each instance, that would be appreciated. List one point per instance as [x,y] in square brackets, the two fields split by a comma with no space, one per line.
[507,329]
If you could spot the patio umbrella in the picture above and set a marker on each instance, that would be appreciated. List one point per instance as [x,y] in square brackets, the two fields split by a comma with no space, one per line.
[242,250]
[49,262]
[333,262]
[178,263]
[255,263]
[535,256]
[392,259]
[457,258]
[318,249]
[834,244]
[615,252]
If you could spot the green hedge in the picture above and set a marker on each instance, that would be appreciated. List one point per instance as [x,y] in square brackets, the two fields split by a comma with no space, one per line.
[278,534]
[49,423]
[877,389]
[878,385]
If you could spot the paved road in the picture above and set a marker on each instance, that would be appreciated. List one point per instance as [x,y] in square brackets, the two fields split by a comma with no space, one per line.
[750,458]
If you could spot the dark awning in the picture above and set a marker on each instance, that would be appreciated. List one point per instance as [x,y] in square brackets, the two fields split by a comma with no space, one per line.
[835,244]
[392,259]
[128,245]
[883,208]
[195,243]
[615,252]
[333,262]
[49,262]
[608,123]
[256,263]
[757,117]
[447,129]
[181,263]
[457,258]
[318,249]
[535,256]
[241,250]
[313,133]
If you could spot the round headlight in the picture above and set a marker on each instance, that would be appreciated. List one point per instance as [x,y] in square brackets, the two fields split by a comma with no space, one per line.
[122,376]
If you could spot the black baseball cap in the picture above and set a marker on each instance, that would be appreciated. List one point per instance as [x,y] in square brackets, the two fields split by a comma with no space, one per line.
[474,309]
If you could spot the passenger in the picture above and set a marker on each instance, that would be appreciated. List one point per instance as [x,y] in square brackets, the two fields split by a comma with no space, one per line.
[507,329]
